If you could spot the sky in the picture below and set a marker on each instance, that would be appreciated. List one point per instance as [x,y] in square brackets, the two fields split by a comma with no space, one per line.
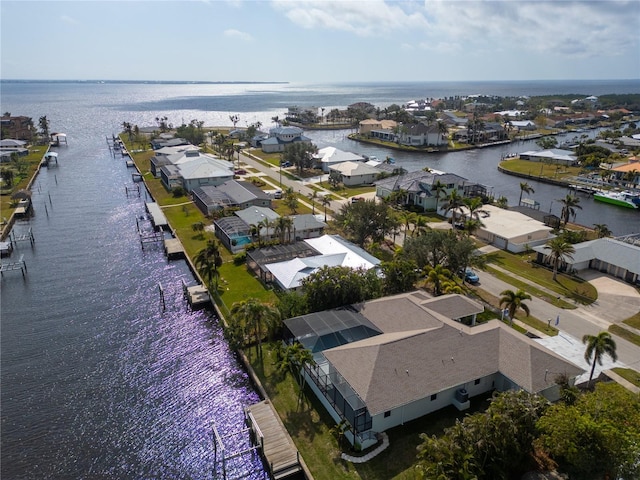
[319,41]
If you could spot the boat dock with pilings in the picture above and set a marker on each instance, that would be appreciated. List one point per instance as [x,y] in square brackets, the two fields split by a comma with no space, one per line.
[268,437]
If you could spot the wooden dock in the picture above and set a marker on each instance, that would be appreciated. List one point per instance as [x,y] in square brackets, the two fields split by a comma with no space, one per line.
[173,248]
[10,266]
[197,295]
[278,450]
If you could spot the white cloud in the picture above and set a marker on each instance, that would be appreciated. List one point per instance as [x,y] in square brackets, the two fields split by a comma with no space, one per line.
[68,19]
[364,18]
[237,34]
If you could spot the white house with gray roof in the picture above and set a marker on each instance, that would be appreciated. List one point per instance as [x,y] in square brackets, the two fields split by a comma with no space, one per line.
[328,156]
[615,257]
[355,173]
[279,137]
[333,251]
[230,194]
[395,359]
[420,187]
[194,169]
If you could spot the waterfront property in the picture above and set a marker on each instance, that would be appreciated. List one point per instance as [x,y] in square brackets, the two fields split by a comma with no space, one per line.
[391,360]
[230,194]
[279,137]
[168,155]
[619,258]
[329,156]
[259,225]
[554,155]
[194,169]
[286,266]
[420,188]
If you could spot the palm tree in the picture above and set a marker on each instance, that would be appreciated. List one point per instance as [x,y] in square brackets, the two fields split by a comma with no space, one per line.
[513,301]
[438,276]
[602,230]
[597,347]
[312,196]
[525,188]
[208,260]
[326,201]
[559,249]
[254,316]
[407,218]
[569,204]
[453,204]
[439,189]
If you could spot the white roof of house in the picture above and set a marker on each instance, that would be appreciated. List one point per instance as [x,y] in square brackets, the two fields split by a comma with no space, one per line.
[334,251]
[204,168]
[509,224]
[174,150]
[610,250]
[10,142]
[350,169]
[554,153]
[254,215]
[335,155]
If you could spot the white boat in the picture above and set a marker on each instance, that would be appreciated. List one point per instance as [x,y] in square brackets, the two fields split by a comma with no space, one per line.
[622,199]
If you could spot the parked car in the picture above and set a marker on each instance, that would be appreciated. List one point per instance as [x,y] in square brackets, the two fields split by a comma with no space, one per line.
[277,194]
[285,164]
[241,171]
[471,276]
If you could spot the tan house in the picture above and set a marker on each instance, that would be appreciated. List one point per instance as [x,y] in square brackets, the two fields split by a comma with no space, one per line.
[366,126]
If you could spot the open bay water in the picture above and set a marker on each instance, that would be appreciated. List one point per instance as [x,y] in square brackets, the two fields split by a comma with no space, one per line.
[97,381]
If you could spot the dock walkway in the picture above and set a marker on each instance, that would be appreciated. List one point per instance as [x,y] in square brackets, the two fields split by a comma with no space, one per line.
[281,455]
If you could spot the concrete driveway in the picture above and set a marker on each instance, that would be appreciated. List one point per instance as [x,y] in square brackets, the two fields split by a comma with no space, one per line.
[617,300]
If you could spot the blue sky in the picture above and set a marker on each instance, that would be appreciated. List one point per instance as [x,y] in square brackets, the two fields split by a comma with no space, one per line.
[319,41]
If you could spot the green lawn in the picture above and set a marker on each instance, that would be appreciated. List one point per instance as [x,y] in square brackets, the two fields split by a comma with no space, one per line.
[541,169]
[626,334]
[628,374]
[633,321]
[23,168]
[574,288]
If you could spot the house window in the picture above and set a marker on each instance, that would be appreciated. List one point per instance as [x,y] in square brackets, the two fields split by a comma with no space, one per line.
[477,382]
[387,413]
[434,396]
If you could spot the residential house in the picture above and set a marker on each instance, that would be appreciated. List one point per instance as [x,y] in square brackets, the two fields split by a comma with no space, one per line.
[420,187]
[366,127]
[332,250]
[167,140]
[383,363]
[521,125]
[258,224]
[194,169]
[628,173]
[20,128]
[554,155]
[509,230]
[230,194]
[279,137]
[617,257]
[168,155]
[355,173]
[421,135]
[328,156]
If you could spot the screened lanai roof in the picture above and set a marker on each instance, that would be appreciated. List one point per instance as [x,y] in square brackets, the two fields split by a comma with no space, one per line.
[323,330]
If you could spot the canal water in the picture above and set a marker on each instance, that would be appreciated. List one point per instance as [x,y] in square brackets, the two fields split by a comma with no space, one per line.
[97,380]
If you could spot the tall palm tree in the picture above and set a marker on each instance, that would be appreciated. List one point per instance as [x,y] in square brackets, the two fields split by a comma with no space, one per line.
[255,316]
[569,205]
[602,230]
[407,218]
[525,188]
[597,347]
[439,189]
[312,196]
[208,260]
[513,301]
[326,201]
[453,204]
[475,207]
[559,249]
